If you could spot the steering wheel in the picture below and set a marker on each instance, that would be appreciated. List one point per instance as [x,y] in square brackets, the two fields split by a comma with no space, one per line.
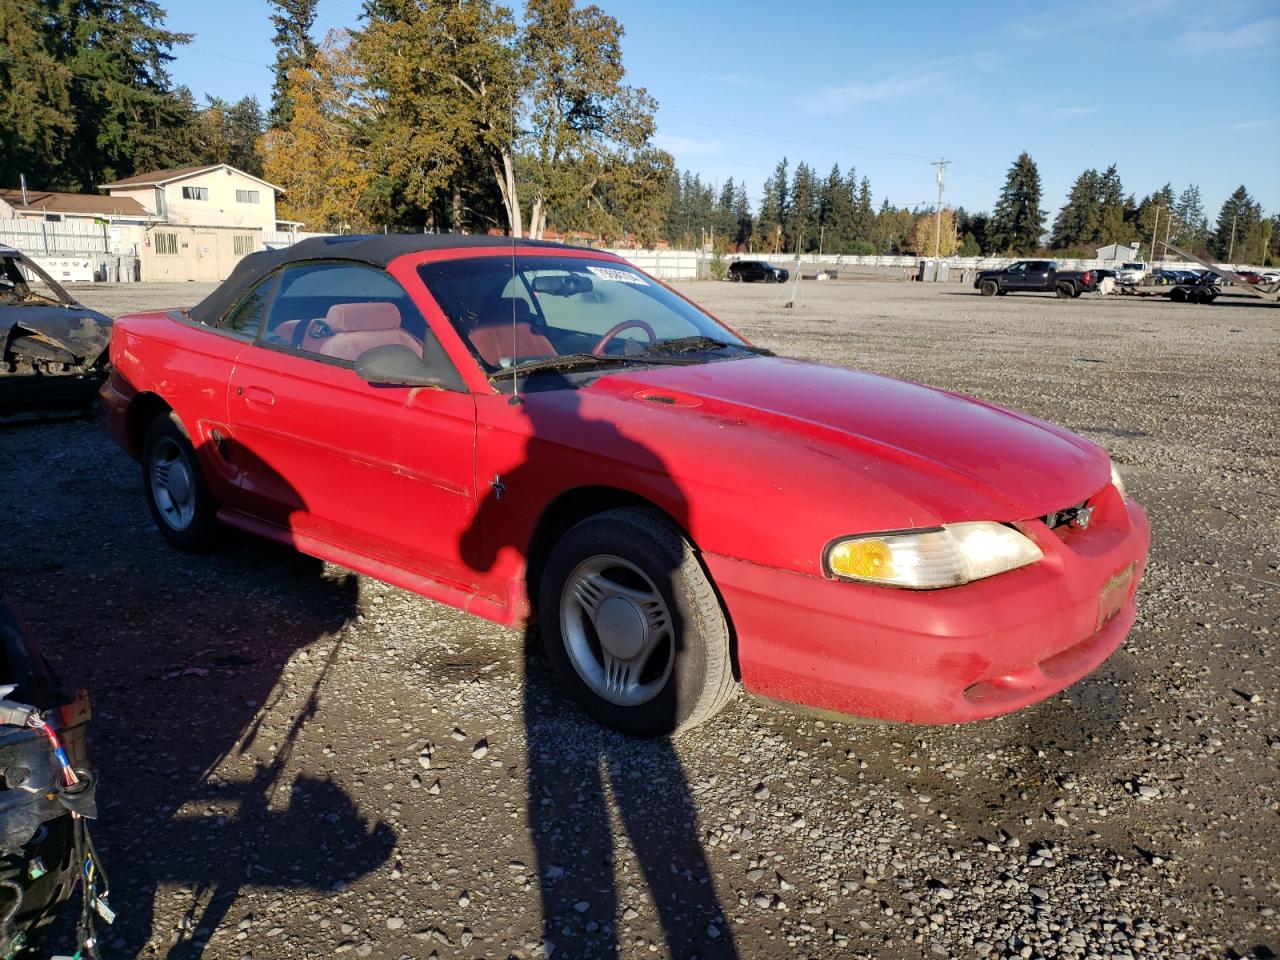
[612,332]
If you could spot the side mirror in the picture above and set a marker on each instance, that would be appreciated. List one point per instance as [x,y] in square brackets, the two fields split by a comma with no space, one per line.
[397,365]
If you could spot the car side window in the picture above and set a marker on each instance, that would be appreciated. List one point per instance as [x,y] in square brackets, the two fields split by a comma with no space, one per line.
[245,318]
[1018,267]
[341,310]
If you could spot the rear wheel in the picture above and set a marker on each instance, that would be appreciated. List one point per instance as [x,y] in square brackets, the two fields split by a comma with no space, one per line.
[989,288]
[1064,290]
[1178,295]
[180,501]
[632,627]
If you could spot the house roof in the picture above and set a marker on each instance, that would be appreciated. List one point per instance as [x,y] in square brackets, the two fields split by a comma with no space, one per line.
[88,204]
[158,178]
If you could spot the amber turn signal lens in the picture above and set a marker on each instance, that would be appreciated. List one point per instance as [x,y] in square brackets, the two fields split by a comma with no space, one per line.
[867,559]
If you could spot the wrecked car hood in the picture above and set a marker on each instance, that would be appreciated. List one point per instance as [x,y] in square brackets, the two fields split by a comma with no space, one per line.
[72,335]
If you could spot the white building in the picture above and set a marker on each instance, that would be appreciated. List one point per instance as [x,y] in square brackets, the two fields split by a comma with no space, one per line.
[217,195]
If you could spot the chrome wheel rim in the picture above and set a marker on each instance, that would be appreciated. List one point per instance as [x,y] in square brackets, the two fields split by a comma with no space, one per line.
[172,485]
[617,630]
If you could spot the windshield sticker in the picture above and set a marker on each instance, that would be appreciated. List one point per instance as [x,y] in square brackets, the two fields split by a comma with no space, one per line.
[621,276]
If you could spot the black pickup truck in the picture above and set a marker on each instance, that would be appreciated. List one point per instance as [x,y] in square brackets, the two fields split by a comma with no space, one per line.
[1034,276]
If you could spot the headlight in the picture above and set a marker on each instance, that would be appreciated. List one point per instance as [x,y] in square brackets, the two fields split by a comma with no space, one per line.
[929,559]
[1116,480]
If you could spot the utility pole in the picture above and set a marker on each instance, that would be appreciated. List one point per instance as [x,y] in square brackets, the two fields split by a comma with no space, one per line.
[1232,251]
[937,234]
[1153,234]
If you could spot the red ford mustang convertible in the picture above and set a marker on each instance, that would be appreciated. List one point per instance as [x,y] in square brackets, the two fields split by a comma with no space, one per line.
[531,428]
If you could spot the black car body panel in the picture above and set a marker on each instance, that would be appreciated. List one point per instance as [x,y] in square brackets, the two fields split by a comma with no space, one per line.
[53,350]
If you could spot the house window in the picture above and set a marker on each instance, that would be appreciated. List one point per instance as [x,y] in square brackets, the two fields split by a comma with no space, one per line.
[246,196]
[242,244]
[195,193]
[167,244]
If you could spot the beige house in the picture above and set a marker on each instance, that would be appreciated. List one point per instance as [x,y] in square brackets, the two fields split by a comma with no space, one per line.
[218,195]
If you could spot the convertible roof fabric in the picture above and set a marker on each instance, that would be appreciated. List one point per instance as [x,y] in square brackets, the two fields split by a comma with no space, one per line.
[377,249]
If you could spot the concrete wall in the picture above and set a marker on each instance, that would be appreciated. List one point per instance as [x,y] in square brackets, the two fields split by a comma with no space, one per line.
[221,209]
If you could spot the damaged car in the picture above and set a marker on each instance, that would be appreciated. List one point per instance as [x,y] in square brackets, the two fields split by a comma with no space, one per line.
[47,795]
[54,348]
[524,429]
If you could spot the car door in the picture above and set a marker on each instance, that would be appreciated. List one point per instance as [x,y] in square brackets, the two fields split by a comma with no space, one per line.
[1040,275]
[383,472]
[1015,276]
[199,391]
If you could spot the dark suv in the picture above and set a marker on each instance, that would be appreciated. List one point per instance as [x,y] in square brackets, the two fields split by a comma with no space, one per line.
[750,270]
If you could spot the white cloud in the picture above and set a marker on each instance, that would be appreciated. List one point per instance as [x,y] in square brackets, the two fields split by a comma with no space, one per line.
[688,146]
[838,99]
[744,80]
[1075,111]
[1247,36]
[1249,125]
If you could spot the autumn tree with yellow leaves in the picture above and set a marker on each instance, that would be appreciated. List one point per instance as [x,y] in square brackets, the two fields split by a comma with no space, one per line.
[318,158]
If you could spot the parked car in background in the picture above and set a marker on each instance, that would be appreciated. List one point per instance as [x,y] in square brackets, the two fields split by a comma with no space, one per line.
[1034,276]
[749,271]
[1271,276]
[546,430]
[53,350]
[1249,276]
[1131,272]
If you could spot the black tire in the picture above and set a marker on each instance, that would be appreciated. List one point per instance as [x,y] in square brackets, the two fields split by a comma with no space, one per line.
[1064,290]
[1178,295]
[770,278]
[700,679]
[989,288]
[189,521]
[735,277]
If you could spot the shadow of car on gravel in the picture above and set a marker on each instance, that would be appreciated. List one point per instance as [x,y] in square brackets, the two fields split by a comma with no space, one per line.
[580,773]
[197,726]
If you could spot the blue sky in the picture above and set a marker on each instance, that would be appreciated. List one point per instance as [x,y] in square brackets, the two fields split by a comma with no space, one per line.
[1163,89]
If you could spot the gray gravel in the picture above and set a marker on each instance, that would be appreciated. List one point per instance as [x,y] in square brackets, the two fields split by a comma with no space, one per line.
[301,762]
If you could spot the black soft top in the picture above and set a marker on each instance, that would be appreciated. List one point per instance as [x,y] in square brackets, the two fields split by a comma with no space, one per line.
[377,249]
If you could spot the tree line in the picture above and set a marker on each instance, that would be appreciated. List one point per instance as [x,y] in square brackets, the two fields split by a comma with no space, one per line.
[447,115]
[432,114]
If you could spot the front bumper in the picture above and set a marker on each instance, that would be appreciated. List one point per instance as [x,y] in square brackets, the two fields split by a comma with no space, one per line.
[940,656]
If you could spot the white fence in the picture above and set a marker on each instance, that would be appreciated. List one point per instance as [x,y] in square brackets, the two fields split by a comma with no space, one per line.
[41,238]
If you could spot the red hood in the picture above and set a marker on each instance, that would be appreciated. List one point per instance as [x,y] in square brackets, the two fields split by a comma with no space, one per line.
[956,457]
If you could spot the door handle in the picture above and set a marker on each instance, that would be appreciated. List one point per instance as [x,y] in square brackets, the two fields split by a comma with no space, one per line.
[260,396]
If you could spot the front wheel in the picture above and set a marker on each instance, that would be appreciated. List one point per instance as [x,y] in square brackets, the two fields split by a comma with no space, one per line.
[989,288]
[735,278]
[180,501]
[632,626]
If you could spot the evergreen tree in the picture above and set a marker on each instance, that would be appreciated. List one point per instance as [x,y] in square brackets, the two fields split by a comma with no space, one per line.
[35,96]
[1240,217]
[973,225]
[229,133]
[127,117]
[1018,221]
[773,211]
[1153,217]
[862,238]
[838,211]
[1191,226]
[800,229]
[1079,222]
[294,48]
[1115,226]
[743,226]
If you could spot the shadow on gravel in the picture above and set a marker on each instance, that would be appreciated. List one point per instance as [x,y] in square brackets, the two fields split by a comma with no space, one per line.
[582,775]
[197,721]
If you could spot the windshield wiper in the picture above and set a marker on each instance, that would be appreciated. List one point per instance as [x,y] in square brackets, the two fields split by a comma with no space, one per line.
[571,360]
[701,342]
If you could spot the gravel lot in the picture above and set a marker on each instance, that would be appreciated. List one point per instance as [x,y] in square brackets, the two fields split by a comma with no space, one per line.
[298,762]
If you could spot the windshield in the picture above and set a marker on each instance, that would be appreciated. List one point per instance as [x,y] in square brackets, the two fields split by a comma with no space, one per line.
[22,282]
[528,311]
